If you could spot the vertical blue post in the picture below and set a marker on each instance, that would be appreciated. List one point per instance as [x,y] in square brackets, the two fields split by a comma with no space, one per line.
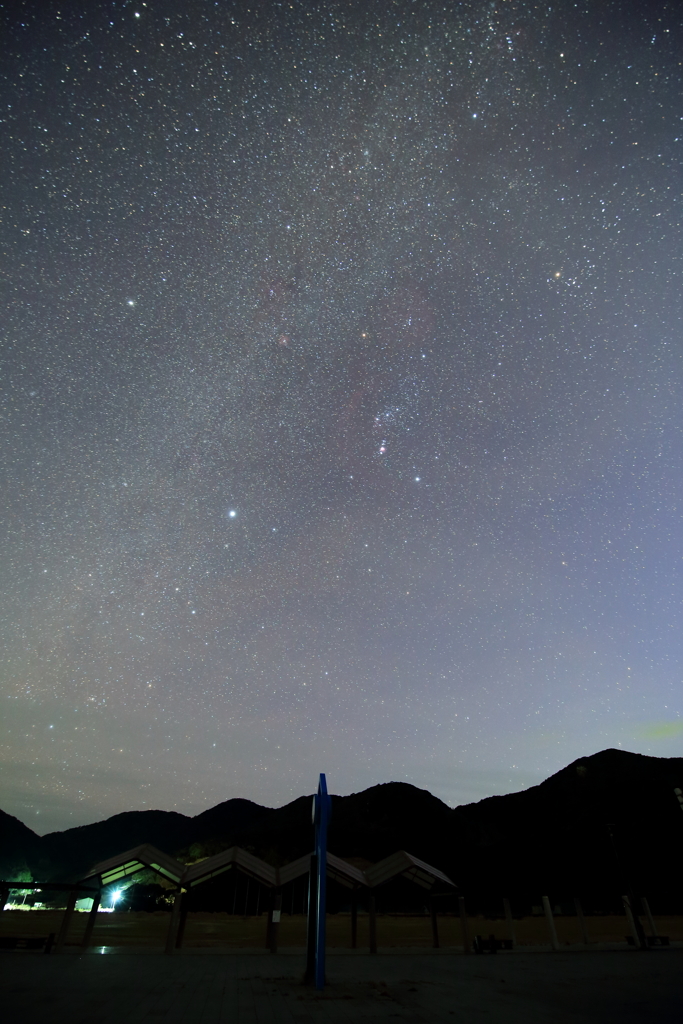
[321,817]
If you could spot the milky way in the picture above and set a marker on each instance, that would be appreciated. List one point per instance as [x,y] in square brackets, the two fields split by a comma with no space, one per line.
[341,397]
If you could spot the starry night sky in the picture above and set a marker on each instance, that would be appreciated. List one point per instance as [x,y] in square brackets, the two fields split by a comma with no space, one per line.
[341,397]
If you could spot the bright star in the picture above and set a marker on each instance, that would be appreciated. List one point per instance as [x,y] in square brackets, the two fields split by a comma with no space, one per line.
[232,513]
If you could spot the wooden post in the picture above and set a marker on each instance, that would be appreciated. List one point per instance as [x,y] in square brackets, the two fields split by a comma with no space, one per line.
[509,919]
[435,923]
[648,915]
[630,917]
[373,925]
[66,921]
[354,919]
[269,916]
[274,915]
[551,923]
[173,924]
[582,920]
[182,924]
[92,918]
[463,925]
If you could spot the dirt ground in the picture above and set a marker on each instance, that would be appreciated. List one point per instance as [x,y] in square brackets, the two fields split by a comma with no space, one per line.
[393,930]
[584,987]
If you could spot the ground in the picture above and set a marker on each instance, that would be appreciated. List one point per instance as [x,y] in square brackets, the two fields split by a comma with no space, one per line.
[577,987]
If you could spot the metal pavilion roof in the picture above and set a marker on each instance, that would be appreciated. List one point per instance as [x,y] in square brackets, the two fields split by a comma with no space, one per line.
[295,869]
[147,856]
[123,865]
[403,863]
[341,871]
[338,869]
[235,856]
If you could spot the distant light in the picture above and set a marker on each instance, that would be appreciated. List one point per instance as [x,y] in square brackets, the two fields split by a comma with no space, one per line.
[232,513]
[417,479]
[474,115]
[115,897]
[131,302]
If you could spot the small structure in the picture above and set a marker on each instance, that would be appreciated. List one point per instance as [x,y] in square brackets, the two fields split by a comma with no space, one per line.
[73,889]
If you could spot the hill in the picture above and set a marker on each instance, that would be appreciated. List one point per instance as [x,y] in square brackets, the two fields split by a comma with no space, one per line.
[550,837]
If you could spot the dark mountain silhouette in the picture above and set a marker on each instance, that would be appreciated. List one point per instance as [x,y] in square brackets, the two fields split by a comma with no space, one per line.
[553,837]
[73,852]
[19,848]
[225,818]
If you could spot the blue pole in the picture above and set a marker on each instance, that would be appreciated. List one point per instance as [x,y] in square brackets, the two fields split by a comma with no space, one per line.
[322,817]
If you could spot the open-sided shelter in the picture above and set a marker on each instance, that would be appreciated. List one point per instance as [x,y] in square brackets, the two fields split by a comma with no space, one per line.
[187,877]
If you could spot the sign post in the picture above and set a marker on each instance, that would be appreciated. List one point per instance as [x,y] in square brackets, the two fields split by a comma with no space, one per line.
[322,806]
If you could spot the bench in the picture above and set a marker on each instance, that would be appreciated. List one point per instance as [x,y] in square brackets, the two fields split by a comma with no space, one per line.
[34,943]
[652,940]
[490,945]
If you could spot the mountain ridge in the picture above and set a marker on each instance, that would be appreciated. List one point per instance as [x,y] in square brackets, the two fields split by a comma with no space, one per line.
[555,830]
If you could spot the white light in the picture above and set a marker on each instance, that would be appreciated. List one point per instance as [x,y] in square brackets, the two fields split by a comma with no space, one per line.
[232,513]
[115,897]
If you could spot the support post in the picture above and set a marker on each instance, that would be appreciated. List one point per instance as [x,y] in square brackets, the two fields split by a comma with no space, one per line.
[510,920]
[582,920]
[550,921]
[354,919]
[435,922]
[4,897]
[274,915]
[648,915]
[269,916]
[463,925]
[92,919]
[631,918]
[628,900]
[373,925]
[182,924]
[173,924]
[66,921]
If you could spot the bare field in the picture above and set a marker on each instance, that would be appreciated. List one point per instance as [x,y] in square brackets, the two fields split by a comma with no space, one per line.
[393,930]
